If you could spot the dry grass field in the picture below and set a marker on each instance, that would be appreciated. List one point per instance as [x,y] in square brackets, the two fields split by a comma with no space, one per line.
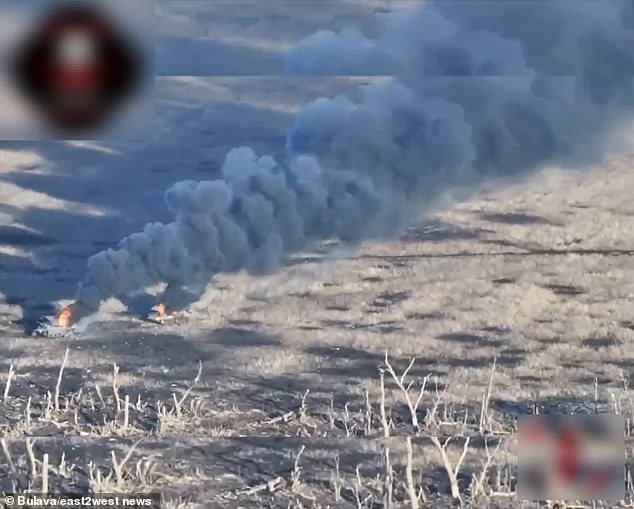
[277,390]
[387,375]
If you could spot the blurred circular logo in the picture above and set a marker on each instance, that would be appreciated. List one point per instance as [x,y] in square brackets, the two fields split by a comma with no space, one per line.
[76,68]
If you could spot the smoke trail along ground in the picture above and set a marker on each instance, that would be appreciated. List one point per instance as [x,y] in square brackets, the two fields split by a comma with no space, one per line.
[484,89]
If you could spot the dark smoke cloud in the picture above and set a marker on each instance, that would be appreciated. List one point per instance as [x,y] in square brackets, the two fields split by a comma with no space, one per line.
[484,89]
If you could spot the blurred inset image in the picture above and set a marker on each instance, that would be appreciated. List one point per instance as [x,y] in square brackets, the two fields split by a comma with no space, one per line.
[73,69]
[571,457]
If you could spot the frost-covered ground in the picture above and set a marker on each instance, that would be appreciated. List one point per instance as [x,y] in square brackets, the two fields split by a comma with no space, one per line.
[535,273]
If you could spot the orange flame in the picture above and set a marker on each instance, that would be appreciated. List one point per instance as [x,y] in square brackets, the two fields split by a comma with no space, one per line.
[64,319]
[161,309]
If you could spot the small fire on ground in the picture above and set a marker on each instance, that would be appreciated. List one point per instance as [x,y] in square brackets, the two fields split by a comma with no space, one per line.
[65,318]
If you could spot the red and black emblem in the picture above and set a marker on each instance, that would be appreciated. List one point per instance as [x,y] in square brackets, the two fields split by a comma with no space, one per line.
[76,68]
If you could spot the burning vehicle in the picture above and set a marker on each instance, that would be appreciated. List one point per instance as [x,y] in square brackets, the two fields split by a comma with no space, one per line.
[172,308]
[56,326]
[65,323]
[162,315]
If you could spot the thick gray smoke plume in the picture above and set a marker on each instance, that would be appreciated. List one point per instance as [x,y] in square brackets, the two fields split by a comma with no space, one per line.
[484,88]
